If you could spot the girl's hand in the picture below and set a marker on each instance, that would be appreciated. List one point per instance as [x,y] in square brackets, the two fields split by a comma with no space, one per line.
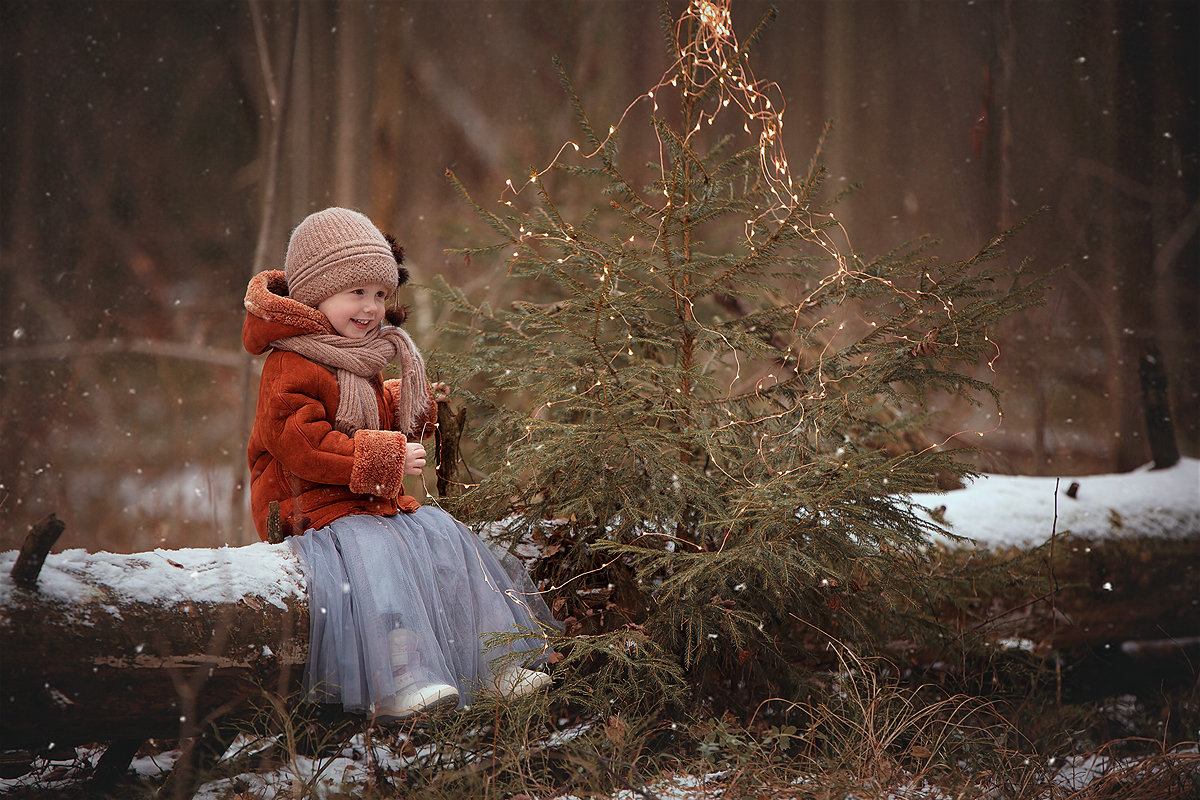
[441,392]
[414,458]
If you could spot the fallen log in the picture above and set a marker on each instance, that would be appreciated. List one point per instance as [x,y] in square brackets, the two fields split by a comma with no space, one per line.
[1117,612]
[111,647]
[102,647]
[1108,593]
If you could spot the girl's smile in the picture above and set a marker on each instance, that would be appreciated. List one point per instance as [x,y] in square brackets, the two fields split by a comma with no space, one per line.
[356,311]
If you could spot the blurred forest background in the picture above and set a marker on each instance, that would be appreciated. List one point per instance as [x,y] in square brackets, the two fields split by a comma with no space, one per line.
[154,155]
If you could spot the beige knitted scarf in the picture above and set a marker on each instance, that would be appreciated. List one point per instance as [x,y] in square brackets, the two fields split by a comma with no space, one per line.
[355,362]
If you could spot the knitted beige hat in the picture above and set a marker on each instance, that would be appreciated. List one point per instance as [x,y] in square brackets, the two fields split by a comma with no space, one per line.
[336,249]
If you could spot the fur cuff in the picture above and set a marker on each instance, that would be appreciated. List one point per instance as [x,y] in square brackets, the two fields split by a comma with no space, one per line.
[378,463]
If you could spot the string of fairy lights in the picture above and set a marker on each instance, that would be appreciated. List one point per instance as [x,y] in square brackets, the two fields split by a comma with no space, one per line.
[712,66]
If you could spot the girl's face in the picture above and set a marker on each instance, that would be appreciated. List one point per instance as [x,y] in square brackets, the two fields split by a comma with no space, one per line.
[356,311]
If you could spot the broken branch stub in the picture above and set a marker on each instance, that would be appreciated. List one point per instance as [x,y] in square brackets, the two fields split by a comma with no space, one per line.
[34,550]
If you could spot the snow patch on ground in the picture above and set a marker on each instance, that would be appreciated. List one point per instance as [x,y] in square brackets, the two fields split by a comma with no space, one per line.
[349,772]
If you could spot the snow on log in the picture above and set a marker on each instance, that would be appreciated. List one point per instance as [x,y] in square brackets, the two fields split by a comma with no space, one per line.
[107,646]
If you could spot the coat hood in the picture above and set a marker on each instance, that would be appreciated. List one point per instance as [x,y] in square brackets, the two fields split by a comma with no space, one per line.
[271,314]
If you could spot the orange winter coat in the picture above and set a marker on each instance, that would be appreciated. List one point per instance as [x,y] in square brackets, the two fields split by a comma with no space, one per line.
[296,456]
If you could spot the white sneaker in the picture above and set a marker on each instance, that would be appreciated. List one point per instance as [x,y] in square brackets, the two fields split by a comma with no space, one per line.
[514,681]
[411,699]
[398,707]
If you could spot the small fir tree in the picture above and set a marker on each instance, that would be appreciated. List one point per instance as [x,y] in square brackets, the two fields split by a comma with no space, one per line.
[707,422]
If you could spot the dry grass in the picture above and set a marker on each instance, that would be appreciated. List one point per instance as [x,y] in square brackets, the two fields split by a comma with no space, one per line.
[1172,774]
[865,734]
[881,732]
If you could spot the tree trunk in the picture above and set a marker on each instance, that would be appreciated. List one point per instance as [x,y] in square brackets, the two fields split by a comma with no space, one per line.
[1160,427]
[113,647]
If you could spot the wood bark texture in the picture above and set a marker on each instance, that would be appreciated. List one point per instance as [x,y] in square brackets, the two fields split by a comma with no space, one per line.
[98,665]
[446,448]
[34,551]
[1117,602]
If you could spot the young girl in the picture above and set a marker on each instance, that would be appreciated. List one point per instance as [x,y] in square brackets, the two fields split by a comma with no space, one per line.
[401,595]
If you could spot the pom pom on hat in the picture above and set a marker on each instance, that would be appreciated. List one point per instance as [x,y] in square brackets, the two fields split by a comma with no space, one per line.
[398,252]
[335,249]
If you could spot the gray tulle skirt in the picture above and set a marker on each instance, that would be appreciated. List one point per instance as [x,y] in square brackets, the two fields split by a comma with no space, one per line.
[424,573]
